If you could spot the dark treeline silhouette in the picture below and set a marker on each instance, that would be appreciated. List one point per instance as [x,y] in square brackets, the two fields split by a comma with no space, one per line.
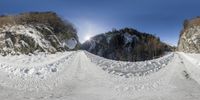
[142,46]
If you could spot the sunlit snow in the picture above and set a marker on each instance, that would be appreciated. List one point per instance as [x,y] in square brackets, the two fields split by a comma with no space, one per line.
[79,75]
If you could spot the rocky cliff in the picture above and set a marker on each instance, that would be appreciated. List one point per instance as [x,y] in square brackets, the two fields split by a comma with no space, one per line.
[36,32]
[189,41]
[127,45]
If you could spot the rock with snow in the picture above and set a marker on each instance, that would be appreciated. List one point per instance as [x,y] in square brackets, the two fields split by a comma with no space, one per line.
[190,36]
[33,33]
[70,43]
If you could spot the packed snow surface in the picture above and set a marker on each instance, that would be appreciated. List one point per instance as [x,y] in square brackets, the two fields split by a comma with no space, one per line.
[79,75]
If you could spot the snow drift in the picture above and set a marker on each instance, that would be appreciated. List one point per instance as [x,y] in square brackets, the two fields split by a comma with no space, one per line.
[79,75]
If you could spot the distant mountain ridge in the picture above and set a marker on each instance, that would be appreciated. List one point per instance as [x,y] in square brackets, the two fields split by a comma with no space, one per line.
[36,32]
[127,45]
[189,40]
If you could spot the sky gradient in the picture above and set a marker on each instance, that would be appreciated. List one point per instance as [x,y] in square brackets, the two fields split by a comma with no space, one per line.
[164,18]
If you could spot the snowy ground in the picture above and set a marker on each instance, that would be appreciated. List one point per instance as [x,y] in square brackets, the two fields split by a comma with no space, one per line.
[79,75]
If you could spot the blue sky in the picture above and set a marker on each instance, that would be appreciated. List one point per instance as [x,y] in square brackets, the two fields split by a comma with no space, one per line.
[161,17]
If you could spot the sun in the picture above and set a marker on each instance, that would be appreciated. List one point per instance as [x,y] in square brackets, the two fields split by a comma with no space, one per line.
[87,37]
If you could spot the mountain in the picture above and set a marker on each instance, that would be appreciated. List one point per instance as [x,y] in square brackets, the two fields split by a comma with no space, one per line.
[127,45]
[36,32]
[190,36]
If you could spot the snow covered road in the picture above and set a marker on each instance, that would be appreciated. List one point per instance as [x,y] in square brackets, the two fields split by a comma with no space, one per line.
[79,75]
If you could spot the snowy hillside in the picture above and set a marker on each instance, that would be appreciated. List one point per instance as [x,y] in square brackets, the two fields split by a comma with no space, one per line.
[28,37]
[126,44]
[190,36]
[79,75]
[36,32]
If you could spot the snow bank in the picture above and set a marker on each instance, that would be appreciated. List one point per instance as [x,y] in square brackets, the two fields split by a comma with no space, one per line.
[37,66]
[129,69]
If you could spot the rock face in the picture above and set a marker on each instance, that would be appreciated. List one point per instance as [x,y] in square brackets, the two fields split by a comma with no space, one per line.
[36,32]
[189,41]
[127,45]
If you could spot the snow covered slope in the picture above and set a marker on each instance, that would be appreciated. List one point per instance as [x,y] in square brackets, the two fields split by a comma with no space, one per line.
[189,41]
[79,75]
[29,39]
[36,32]
[126,44]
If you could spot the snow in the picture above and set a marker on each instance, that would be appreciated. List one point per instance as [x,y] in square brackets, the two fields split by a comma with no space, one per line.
[79,75]
[9,42]
[131,68]
[194,38]
[24,44]
[70,43]
[28,31]
[193,65]
[31,65]
[129,38]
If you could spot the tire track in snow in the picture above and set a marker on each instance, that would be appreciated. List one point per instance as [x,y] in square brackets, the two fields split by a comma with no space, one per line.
[191,65]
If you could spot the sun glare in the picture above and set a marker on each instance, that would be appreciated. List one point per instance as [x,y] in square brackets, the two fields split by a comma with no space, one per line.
[87,37]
